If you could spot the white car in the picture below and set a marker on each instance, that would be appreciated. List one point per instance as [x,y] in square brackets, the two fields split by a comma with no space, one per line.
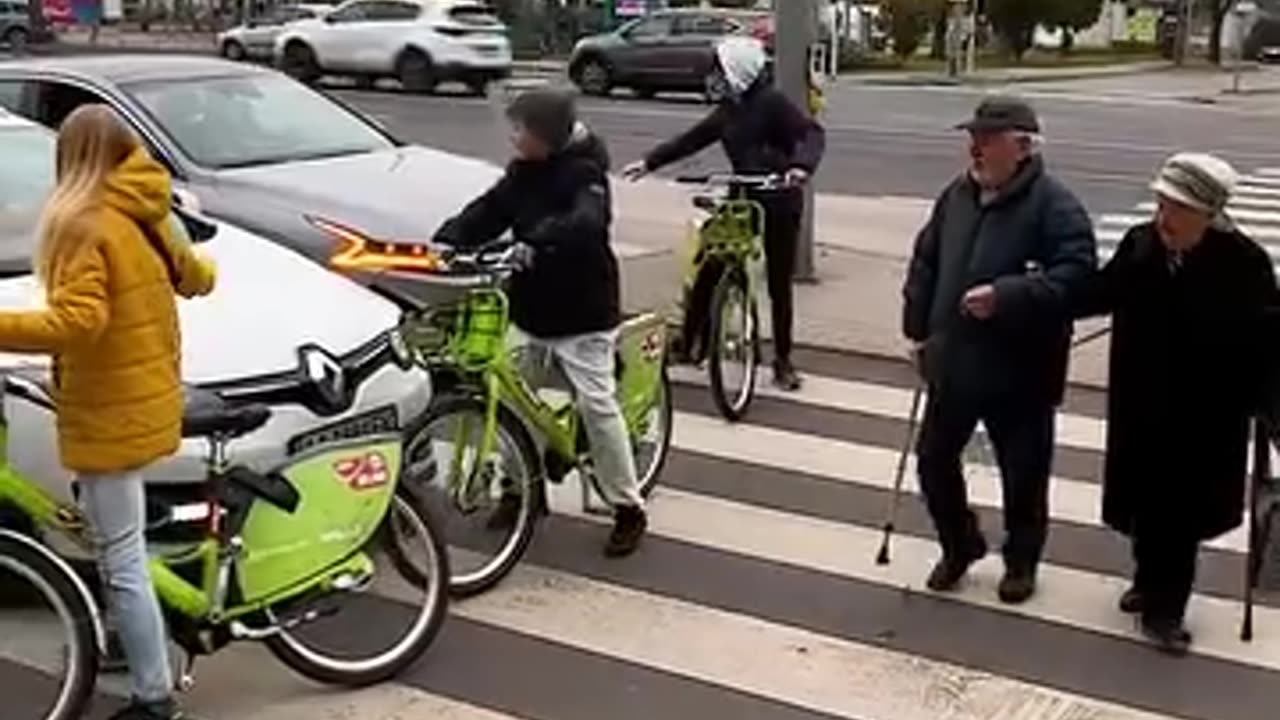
[244,340]
[419,42]
[255,39]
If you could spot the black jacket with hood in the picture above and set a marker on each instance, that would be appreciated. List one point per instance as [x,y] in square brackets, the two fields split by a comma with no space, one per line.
[1035,223]
[561,207]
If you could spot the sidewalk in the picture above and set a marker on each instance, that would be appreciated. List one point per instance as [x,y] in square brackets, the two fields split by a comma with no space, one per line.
[863,246]
[1005,75]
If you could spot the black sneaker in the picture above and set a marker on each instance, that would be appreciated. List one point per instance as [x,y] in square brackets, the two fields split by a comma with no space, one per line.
[1168,637]
[786,377]
[950,570]
[1131,601]
[160,710]
[629,525]
[1017,586]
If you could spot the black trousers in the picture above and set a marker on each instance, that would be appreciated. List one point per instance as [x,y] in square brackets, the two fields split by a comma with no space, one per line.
[1166,571]
[1022,435]
[783,214]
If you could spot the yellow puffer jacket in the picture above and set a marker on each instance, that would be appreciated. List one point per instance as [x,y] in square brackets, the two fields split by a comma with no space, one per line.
[112,326]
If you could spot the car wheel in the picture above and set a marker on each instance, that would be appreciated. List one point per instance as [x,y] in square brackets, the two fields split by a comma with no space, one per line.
[299,62]
[478,87]
[594,77]
[233,50]
[646,93]
[415,72]
[17,39]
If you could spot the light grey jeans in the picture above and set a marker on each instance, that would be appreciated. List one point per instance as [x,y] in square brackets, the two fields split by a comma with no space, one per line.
[587,364]
[116,508]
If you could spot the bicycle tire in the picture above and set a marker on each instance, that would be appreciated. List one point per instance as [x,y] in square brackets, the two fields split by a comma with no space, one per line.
[362,673]
[734,279]
[18,555]
[649,478]
[513,550]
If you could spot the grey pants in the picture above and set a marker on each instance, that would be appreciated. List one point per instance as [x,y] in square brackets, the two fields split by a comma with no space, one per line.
[587,364]
[116,508]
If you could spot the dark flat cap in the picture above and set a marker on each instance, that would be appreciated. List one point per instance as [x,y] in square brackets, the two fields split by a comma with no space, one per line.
[1002,112]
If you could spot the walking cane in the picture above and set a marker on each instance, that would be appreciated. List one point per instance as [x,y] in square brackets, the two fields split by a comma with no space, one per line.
[1260,475]
[882,558]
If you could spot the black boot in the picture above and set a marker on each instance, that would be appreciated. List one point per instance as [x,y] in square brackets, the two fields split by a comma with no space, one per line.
[1168,636]
[785,376]
[160,710]
[1018,584]
[952,568]
[629,525]
[1131,601]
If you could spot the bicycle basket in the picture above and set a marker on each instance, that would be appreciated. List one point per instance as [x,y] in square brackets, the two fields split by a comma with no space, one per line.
[480,328]
[735,229]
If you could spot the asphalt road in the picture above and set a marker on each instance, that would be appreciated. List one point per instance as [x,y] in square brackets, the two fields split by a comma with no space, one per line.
[886,141]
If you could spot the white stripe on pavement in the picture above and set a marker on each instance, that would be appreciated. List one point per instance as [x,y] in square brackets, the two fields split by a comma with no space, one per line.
[1065,596]
[1074,431]
[745,653]
[869,466]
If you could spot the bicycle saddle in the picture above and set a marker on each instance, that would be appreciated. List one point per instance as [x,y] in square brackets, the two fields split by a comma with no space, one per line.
[205,413]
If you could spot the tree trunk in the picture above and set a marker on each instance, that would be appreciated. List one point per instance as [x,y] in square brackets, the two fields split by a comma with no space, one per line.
[1220,10]
[938,47]
[1068,41]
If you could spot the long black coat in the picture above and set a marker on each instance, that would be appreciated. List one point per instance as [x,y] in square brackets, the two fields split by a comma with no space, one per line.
[1188,353]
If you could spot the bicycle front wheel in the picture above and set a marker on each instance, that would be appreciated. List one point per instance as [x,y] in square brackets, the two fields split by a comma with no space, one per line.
[734,339]
[490,505]
[48,665]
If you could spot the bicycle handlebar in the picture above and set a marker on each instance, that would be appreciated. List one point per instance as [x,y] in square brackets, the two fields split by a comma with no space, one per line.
[771,181]
[500,258]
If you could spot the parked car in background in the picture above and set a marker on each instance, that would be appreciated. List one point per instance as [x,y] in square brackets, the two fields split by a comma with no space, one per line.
[1263,39]
[669,50]
[255,39]
[260,150]
[421,43]
[248,339]
[16,32]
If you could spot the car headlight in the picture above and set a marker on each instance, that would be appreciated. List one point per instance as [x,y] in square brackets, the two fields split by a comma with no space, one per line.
[358,251]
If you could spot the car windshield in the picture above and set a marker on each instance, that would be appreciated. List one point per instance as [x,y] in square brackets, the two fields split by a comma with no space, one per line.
[249,120]
[26,176]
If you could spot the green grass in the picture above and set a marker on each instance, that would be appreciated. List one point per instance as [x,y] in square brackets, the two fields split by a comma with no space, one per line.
[988,61]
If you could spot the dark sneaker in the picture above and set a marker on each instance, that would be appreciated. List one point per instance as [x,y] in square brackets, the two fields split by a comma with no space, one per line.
[950,570]
[1017,586]
[1131,601]
[1168,637]
[786,377]
[629,525]
[114,660]
[161,710]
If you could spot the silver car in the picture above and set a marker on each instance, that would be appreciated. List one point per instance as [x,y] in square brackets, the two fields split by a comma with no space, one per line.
[255,39]
[260,150]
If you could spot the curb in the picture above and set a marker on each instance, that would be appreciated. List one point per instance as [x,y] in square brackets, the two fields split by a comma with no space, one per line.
[1014,77]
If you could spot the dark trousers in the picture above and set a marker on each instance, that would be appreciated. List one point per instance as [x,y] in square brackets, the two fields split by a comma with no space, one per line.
[782,229]
[1022,435]
[1166,571]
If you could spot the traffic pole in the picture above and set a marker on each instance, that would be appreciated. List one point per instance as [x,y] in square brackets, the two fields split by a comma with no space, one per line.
[793,34]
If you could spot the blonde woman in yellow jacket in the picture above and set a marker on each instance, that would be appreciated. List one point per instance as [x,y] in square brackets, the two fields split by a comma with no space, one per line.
[110,265]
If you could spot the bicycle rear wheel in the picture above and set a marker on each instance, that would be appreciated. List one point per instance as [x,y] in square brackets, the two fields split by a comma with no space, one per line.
[651,447]
[50,684]
[734,338]
[489,520]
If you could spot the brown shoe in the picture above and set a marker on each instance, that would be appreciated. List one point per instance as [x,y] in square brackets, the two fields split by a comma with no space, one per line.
[629,525]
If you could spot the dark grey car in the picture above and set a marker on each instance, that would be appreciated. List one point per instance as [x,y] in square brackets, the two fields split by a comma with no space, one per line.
[666,50]
[258,149]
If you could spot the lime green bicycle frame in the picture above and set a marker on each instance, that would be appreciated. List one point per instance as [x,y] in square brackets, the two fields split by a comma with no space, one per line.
[475,344]
[732,236]
[288,553]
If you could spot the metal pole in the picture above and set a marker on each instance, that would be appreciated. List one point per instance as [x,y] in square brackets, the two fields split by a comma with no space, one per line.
[793,32]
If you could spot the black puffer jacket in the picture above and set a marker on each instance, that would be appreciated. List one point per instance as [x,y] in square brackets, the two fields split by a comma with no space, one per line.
[562,208]
[1022,350]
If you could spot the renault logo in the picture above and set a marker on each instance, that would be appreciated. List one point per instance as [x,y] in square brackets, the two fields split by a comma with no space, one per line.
[325,374]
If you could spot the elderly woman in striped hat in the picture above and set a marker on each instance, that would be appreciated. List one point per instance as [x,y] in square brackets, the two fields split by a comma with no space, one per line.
[1188,293]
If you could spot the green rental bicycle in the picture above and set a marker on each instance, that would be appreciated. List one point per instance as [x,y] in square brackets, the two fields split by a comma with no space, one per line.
[474,451]
[719,284]
[289,557]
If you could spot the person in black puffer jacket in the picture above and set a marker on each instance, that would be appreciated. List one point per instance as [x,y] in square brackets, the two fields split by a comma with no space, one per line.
[762,132]
[555,198]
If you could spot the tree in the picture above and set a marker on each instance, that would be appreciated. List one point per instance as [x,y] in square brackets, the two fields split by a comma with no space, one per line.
[908,21]
[1015,21]
[1071,16]
[1219,8]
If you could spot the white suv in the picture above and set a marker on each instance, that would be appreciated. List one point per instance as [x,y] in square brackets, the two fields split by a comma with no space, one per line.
[419,42]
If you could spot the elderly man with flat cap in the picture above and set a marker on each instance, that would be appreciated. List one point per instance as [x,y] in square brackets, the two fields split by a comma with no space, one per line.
[988,297]
[1188,294]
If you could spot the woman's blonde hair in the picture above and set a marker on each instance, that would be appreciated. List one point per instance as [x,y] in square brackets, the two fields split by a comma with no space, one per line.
[92,142]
